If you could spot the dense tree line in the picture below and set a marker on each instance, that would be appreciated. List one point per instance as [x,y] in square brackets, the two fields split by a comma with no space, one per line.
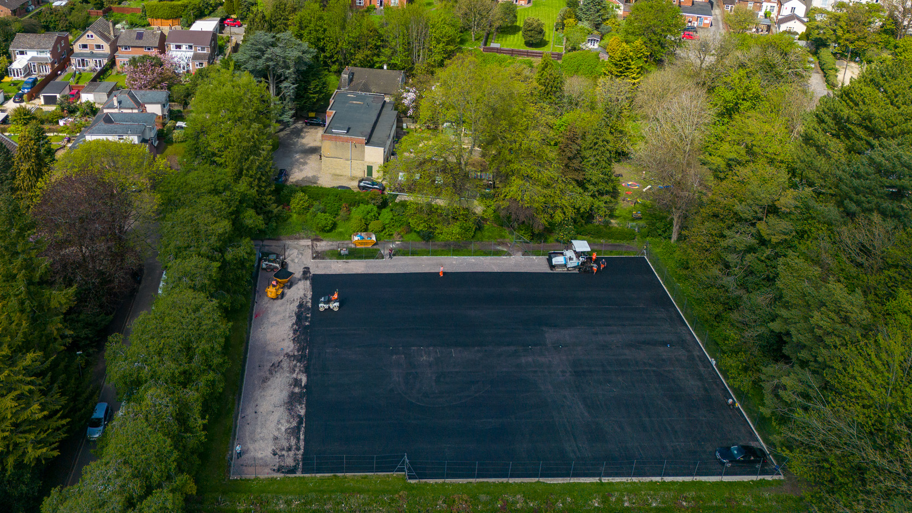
[794,244]
[171,370]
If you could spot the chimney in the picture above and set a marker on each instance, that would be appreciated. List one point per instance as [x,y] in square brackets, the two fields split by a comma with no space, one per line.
[116,102]
[346,79]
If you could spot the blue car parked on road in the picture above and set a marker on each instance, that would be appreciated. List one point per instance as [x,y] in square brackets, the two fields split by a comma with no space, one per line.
[28,84]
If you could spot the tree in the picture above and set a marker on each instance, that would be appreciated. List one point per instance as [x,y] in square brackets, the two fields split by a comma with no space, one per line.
[741,19]
[658,23]
[157,71]
[592,13]
[550,79]
[626,61]
[505,15]
[533,32]
[575,36]
[476,15]
[32,160]
[416,36]
[7,177]
[900,12]
[670,153]
[855,27]
[280,61]
[231,127]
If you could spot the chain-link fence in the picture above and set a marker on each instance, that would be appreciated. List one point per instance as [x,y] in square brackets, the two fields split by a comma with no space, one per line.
[503,470]
[345,250]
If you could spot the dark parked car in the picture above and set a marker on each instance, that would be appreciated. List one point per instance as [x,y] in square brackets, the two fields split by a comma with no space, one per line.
[314,122]
[740,455]
[343,187]
[282,176]
[100,418]
[366,184]
[19,97]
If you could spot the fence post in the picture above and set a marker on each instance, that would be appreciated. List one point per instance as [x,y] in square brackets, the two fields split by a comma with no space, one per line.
[571,471]
[410,248]
[375,463]
[602,475]
[255,467]
[695,470]
[473,248]
[476,471]
[430,248]
[445,465]
[343,465]
[663,469]
[510,472]
[315,464]
[492,248]
[539,470]
[722,478]
[759,468]
[633,469]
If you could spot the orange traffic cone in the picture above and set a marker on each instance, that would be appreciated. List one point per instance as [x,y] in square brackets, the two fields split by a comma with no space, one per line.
[441,271]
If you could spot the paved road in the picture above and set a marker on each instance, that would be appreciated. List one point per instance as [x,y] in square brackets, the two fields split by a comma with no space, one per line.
[76,452]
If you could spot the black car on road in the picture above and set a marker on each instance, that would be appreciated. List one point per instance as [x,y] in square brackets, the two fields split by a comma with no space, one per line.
[314,122]
[19,97]
[366,185]
[281,177]
[740,455]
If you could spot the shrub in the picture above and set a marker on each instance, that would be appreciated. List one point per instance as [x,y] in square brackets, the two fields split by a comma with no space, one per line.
[460,230]
[324,223]
[368,213]
[300,203]
[586,64]
[357,224]
[165,10]
[376,226]
[828,67]
[178,136]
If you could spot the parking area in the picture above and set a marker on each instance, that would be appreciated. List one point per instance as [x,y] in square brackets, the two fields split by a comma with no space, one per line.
[299,153]
[496,367]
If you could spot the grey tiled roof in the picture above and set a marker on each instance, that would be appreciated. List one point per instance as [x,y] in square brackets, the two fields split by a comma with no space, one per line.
[384,126]
[200,57]
[147,97]
[790,17]
[115,123]
[354,114]
[125,100]
[137,37]
[101,28]
[12,4]
[34,41]
[9,143]
[698,9]
[193,37]
[57,87]
[367,80]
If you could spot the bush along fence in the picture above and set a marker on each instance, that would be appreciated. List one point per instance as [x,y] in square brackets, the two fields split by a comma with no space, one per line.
[345,250]
[520,471]
[700,331]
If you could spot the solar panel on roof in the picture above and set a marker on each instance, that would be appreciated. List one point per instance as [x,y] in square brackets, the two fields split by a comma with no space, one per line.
[139,35]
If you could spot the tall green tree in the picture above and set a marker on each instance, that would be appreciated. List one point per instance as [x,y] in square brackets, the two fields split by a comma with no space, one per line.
[533,32]
[280,61]
[658,24]
[476,15]
[550,79]
[592,13]
[32,160]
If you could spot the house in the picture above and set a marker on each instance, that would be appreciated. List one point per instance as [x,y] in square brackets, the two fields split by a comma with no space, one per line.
[135,42]
[592,42]
[95,47]
[359,134]
[10,144]
[98,92]
[379,4]
[207,25]
[367,80]
[127,101]
[38,54]
[134,128]
[769,9]
[791,23]
[53,91]
[17,8]
[192,49]
[696,14]
[796,7]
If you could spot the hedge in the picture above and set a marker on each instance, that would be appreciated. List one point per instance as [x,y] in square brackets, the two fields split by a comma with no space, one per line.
[582,63]
[828,67]
[165,10]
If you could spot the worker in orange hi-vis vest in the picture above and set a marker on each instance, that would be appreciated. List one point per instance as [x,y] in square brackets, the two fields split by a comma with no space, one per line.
[602,265]
[336,295]
[593,257]
[441,271]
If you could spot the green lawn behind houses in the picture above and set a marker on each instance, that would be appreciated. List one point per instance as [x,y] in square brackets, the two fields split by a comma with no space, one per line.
[545,10]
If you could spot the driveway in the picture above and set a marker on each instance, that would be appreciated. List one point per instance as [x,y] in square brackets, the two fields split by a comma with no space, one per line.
[299,153]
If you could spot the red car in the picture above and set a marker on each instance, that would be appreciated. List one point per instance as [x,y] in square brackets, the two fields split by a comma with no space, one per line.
[231,22]
[75,94]
[690,33]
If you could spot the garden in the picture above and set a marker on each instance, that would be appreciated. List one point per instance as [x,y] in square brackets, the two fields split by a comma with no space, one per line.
[546,11]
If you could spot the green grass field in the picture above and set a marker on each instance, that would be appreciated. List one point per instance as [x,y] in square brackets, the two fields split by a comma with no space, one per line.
[545,10]
[392,493]
[10,87]
[84,78]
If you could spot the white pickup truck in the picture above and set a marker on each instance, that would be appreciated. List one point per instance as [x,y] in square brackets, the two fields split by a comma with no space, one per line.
[576,258]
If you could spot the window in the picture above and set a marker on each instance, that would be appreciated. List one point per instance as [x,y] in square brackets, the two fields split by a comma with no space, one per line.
[359,3]
[99,47]
[90,36]
[824,3]
[83,47]
[793,10]
[199,65]
[394,3]
[125,48]
[149,49]
[370,171]
[200,48]
[750,5]
[176,47]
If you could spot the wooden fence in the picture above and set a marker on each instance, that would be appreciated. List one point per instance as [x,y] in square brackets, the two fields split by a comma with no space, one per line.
[99,12]
[532,54]
[55,72]
[156,22]
[126,10]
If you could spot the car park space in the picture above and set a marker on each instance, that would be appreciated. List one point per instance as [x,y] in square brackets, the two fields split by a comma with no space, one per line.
[299,154]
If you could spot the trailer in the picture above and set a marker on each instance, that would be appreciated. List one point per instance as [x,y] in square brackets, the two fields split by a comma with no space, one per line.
[574,258]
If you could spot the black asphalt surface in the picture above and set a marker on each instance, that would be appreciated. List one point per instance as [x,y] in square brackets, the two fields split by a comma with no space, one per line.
[519,367]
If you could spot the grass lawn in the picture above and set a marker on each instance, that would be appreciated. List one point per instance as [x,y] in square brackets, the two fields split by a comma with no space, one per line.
[176,149]
[84,78]
[120,78]
[545,10]
[56,138]
[10,87]
[392,493]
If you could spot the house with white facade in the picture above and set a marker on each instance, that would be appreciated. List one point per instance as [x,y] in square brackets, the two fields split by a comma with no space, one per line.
[797,7]
[192,49]
[38,54]
[791,23]
[207,25]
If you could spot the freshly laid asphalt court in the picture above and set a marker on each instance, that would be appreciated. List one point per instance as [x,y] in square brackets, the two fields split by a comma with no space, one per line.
[513,367]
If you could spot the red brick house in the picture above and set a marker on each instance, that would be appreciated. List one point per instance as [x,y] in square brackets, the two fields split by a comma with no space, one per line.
[17,8]
[135,42]
[696,14]
[38,54]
